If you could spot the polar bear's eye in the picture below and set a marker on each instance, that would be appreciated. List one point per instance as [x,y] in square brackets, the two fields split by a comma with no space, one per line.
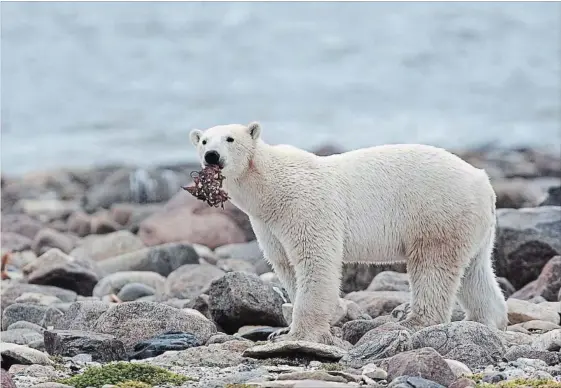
[204,142]
[229,139]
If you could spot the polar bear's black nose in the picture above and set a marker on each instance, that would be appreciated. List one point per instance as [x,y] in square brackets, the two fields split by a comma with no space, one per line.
[212,157]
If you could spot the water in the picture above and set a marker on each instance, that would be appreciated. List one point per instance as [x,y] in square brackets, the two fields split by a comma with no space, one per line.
[91,83]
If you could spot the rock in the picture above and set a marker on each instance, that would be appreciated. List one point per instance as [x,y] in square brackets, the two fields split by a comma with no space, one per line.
[458,368]
[423,362]
[526,351]
[21,336]
[162,259]
[346,310]
[293,349]
[55,268]
[190,280]
[374,372]
[248,251]
[376,345]
[133,291]
[6,380]
[11,292]
[472,343]
[523,311]
[51,385]
[413,382]
[237,265]
[113,283]
[200,303]
[36,298]
[82,315]
[29,312]
[220,338]
[270,277]
[317,375]
[463,382]
[534,326]
[216,355]
[376,303]
[69,343]
[550,341]
[20,224]
[49,238]
[136,321]
[98,248]
[79,223]
[354,330]
[547,285]
[553,197]
[184,218]
[14,242]
[27,326]
[527,239]
[358,276]
[390,281]
[238,299]
[101,223]
[258,333]
[173,340]
[518,193]
[19,354]
[512,338]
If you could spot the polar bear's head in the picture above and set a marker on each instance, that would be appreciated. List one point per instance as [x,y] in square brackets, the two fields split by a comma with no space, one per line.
[231,147]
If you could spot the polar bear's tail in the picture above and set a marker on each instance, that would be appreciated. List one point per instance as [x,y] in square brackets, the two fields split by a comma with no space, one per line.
[480,294]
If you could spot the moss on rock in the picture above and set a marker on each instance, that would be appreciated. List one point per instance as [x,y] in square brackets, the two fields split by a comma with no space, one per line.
[124,372]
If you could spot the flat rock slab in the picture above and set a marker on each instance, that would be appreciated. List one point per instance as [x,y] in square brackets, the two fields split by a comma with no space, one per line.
[20,354]
[293,348]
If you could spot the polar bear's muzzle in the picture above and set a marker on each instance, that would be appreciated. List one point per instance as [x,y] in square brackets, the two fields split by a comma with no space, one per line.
[212,158]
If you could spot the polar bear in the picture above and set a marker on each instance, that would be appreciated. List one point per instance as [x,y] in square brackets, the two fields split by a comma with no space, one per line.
[393,203]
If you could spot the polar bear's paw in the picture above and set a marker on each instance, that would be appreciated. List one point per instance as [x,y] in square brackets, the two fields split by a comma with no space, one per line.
[274,335]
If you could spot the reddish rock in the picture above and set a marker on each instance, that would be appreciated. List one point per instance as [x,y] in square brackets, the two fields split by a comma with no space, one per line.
[102,223]
[21,224]
[15,242]
[49,238]
[6,380]
[186,219]
[546,285]
[79,223]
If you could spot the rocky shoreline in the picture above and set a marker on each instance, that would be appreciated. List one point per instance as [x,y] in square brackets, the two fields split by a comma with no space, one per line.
[115,277]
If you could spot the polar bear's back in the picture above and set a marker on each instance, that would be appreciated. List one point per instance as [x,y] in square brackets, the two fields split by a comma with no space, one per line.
[397,194]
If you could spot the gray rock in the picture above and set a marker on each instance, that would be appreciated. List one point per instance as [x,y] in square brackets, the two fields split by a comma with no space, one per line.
[424,362]
[238,299]
[36,298]
[527,238]
[317,375]
[51,385]
[20,354]
[82,315]
[413,382]
[553,197]
[400,312]
[550,341]
[136,321]
[354,330]
[190,280]
[20,336]
[358,276]
[200,303]
[250,252]
[293,349]
[220,338]
[390,281]
[472,343]
[27,326]
[14,290]
[101,247]
[6,380]
[523,311]
[546,286]
[376,303]
[113,283]
[221,355]
[133,291]
[55,268]
[526,351]
[69,343]
[376,345]
[235,265]
[162,259]
[29,312]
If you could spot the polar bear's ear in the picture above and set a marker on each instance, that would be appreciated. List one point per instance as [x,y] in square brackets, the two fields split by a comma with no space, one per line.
[254,130]
[195,136]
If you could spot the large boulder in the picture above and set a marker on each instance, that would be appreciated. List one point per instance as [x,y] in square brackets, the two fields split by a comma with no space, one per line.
[527,239]
[101,247]
[239,299]
[547,285]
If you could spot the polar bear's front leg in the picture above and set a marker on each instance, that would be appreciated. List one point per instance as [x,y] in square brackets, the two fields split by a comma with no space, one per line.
[317,261]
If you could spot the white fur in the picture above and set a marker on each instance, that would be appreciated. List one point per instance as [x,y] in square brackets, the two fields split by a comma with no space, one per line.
[407,202]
